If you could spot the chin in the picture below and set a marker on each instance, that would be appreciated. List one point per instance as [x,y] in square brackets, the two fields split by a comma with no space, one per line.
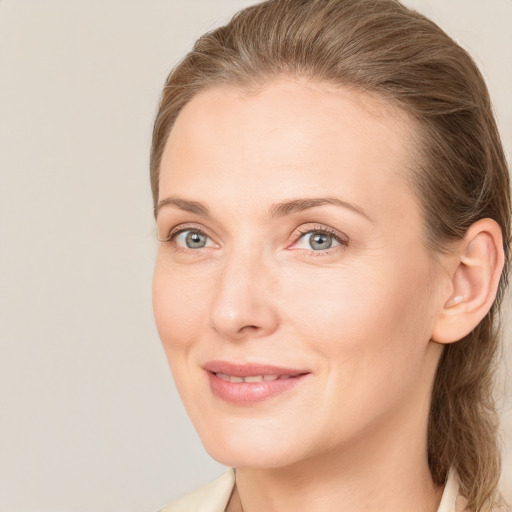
[250,457]
[245,448]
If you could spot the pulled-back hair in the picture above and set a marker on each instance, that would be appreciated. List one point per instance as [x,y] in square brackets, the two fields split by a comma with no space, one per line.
[460,173]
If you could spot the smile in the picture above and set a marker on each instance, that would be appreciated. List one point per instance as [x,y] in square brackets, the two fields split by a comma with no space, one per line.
[248,384]
[252,378]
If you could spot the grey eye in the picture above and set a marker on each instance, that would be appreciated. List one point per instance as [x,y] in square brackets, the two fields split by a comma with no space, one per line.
[192,239]
[195,240]
[320,241]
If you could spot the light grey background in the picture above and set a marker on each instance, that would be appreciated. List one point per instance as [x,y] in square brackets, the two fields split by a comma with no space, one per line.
[89,419]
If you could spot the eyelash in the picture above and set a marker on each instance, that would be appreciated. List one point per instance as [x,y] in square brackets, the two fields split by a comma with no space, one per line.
[323,230]
[341,239]
[174,233]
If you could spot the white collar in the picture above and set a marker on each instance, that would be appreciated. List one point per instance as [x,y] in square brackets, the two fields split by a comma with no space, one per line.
[450,493]
[214,497]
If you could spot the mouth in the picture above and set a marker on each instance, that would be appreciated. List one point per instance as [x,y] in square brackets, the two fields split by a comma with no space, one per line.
[248,384]
[252,378]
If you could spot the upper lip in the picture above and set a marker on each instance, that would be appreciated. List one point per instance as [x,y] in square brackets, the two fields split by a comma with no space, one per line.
[250,369]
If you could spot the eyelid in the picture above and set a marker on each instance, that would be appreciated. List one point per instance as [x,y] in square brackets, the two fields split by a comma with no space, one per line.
[302,230]
[340,237]
[175,231]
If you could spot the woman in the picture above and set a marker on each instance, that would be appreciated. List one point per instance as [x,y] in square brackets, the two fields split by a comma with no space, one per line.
[333,205]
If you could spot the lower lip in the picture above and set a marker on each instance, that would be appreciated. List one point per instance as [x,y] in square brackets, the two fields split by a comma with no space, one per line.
[248,393]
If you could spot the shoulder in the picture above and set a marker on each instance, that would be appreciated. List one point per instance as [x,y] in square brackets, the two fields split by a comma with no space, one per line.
[212,497]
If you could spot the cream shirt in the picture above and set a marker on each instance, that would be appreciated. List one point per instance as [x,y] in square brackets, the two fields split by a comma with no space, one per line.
[214,496]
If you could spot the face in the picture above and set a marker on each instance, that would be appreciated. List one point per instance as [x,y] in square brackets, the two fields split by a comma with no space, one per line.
[292,291]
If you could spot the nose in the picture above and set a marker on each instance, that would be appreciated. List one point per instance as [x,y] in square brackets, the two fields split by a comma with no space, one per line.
[242,304]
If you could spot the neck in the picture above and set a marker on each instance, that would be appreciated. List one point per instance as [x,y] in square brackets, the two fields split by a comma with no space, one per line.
[382,471]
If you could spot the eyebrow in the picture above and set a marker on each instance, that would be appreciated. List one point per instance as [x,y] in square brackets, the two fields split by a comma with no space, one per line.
[276,210]
[183,204]
[299,205]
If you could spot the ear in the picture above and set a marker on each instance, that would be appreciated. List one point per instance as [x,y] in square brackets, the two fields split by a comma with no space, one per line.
[475,274]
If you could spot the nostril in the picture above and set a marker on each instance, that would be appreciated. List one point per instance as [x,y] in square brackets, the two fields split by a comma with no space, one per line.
[249,328]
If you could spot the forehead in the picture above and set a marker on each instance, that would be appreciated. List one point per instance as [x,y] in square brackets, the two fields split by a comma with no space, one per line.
[286,138]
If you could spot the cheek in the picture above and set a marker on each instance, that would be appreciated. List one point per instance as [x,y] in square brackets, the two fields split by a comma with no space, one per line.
[369,354]
[179,305]
[350,313]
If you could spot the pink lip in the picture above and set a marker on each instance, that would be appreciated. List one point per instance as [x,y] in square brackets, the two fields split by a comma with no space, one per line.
[248,393]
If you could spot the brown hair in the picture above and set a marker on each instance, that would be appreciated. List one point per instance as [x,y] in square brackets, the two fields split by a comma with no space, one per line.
[461,174]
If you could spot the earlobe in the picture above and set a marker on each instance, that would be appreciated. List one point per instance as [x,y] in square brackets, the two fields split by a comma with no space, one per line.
[474,282]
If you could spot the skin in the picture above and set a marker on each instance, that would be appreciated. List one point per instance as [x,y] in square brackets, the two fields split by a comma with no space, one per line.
[359,316]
